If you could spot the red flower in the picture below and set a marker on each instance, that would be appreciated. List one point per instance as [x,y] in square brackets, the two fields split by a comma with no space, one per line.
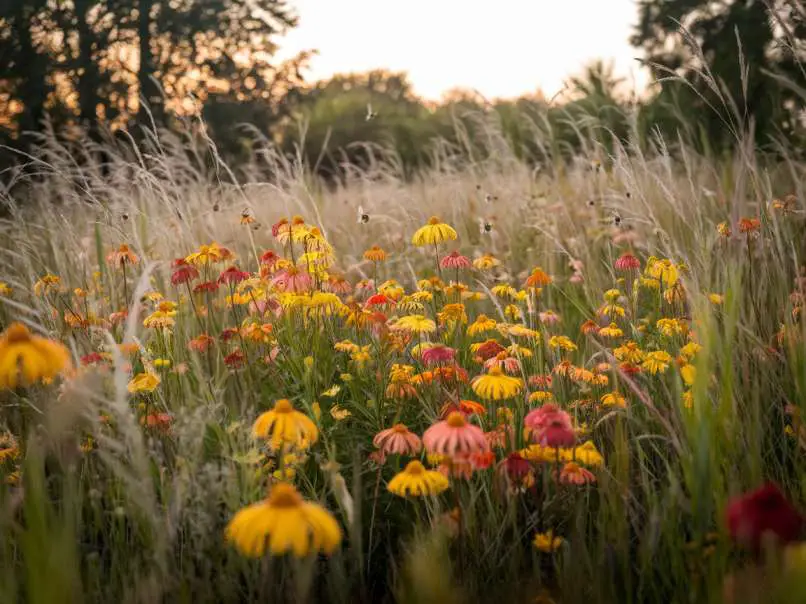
[92,358]
[183,273]
[438,354]
[228,333]
[764,511]
[516,467]
[627,262]
[207,286]
[232,275]
[455,260]
[489,349]
[235,359]
[551,426]
[269,259]
[378,300]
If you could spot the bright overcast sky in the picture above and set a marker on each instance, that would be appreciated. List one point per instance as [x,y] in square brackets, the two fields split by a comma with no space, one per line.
[502,49]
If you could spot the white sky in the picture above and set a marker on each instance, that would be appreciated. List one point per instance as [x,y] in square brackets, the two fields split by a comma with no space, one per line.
[503,48]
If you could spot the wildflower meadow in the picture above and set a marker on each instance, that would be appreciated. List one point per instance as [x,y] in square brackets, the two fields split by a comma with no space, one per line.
[489,382]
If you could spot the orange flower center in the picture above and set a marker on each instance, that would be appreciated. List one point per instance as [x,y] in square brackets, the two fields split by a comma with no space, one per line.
[17,332]
[415,468]
[283,406]
[433,220]
[400,428]
[496,371]
[284,496]
[456,420]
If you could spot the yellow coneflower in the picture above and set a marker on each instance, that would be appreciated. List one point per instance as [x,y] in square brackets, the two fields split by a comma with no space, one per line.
[541,396]
[433,233]
[588,454]
[418,324]
[486,262]
[671,327]
[562,343]
[143,382]
[481,325]
[159,320]
[26,359]
[656,361]
[452,313]
[496,386]
[547,542]
[206,254]
[611,331]
[610,309]
[284,523]
[391,289]
[46,283]
[513,312]
[339,413]
[664,270]
[690,350]
[716,299]
[285,425]
[5,289]
[417,481]
[504,290]
[614,399]
[688,373]
[629,352]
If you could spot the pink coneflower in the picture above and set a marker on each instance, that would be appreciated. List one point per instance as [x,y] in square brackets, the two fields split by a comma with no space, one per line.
[378,300]
[627,262]
[183,272]
[261,307]
[550,426]
[292,280]
[540,381]
[549,317]
[438,354]
[279,226]
[456,261]
[454,435]
[207,286]
[508,364]
[232,275]
[337,285]
[397,440]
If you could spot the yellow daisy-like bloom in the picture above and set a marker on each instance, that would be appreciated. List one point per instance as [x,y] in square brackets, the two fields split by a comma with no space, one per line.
[486,262]
[629,353]
[285,425]
[415,324]
[690,350]
[284,523]
[588,454]
[323,304]
[671,327]
[46,284]
[159,320]
[562,342]
[416,480]
[611,331]
[656,361]
[542,454]
[521,331]
[614,399]
[716,299]
[496,386]
[207,254]
[663,270]
[482,324]
[541,396]
[143,382]
[452,313]
[689,373]
[26,359]
[433,233]
[547,542]
[375,254]
[513,312]
[5,289]
[391,289]
[504,290]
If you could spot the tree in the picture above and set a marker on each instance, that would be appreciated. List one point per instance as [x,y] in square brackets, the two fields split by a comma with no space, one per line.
[700,41]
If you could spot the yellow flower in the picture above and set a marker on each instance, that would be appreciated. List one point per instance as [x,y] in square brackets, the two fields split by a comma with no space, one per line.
[539,453]
[562,342]
[207,254]
[521,331]
[433,233]
[611,331]
[486,262]
[416,480]
[159,363]
[159,320]
[496,386]
[482,324]
[716,299]
[452,313]
[547,542]
[415,324]
[143,382]
[375,254]
[690,350]
[332,391]
[5,289]
[26,358]
[656,361]
[588,454]
[540,396]
[46,284]
[689,373]
[285,523]
[339,413]
[663,270]
[629,353]
[285,425]
[671,327]
[614,399]
[504,290]
[513,312]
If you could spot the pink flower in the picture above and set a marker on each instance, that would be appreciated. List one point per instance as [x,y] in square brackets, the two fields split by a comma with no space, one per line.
[438,354]
[337,285]
[550,426]
[453,436]
[397,440]
[261,307]
[232,275]
[292,280]
[509,365]
[764,513]
[269,259]
[549,317]
[455,260]
[627,262]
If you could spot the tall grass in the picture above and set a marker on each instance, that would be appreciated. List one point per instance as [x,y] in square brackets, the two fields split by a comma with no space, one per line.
[140,518]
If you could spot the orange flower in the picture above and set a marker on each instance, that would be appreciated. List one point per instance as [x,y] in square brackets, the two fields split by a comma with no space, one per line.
[573,473]
[749,225]
[123,255]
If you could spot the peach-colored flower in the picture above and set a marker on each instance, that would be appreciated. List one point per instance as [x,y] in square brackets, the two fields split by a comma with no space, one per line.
[397,440]
[454,435]
[573,473]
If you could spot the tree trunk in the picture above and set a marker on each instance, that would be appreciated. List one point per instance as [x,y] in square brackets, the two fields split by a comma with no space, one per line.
[150,99]
[87,68]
